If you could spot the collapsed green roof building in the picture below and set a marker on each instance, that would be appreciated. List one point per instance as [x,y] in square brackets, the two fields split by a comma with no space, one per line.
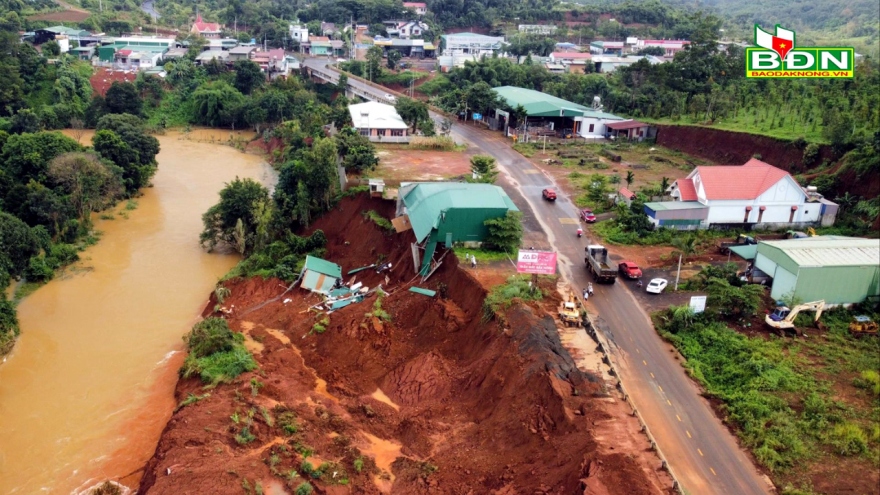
[447,212]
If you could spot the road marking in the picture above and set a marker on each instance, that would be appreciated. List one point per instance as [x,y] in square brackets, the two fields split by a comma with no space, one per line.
[701,452]
[667,401]
[661,388]
[638,351]
[644,362]
[531,171]
[679,419]
[713,471]
[569,221]
[689,434]
[652,375]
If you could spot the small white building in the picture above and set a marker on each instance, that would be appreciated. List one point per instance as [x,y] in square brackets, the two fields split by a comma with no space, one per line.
[593,123]
[299,33]
[755,195]
[379,122]
[420,8]
[537,28]
[471,44]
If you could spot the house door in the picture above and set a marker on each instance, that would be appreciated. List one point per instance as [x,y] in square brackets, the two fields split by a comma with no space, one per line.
[449,240]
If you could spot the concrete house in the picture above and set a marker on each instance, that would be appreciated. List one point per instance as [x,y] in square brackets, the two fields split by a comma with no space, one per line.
[299,33]
[205,29]
[554,113]
[753,195]
[632,130]
[471,44]
[420,8]
[670,47]
[379,122]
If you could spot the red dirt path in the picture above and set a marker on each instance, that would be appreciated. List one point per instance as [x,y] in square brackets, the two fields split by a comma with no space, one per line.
[103,78]
[434,401]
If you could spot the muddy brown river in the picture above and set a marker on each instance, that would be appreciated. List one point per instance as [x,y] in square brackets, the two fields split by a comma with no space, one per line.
[89,386]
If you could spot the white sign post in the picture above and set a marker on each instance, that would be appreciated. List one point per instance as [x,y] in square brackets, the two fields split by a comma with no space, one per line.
[698,304]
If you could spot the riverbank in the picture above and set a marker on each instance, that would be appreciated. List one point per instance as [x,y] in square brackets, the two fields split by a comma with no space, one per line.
[87,390]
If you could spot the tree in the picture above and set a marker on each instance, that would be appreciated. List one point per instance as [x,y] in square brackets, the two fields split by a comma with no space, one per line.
[374,62]
[27,156]
[137,170]
[480,97]
[78,130]
[248,76]
[342,83]
[394,57]
[51,48]
[123,97]
[727,299]
[17,245]
[597,190]
[505,233]
[240,201]
[215,104]
[664,186]
[630,178]
[89,183]
[686,246]
[652,50]
[357,152]
[412,111]
[25,120]
[150,88]
[483,169]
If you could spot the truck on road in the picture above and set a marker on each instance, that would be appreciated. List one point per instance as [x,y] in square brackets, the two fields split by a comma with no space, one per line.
[596,259]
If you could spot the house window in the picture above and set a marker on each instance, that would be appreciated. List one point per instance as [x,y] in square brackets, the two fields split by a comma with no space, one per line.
[365,132]
[380,132]
[397,132]
[592,126]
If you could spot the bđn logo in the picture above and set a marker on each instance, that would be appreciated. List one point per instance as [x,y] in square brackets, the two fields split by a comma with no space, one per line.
[776,56]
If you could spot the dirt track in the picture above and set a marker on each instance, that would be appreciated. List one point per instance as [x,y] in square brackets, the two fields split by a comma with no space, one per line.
[434,401]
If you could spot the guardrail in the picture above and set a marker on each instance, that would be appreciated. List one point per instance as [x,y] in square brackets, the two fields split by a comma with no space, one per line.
[591,328]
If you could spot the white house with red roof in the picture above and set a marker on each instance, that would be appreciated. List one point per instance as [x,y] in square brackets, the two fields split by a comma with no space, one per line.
[753,195]
[205,29]
[420,8]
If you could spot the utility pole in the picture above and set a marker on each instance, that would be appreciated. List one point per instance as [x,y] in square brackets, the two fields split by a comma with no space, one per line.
[678,273]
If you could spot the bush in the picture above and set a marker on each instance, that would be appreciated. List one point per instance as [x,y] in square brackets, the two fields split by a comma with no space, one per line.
[209,336]
[304,489]
[870,380]
[848,439]
[502,296]
[379,219]
[221,367]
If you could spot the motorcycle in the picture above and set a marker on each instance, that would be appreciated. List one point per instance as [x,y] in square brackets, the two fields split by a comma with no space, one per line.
[580,233]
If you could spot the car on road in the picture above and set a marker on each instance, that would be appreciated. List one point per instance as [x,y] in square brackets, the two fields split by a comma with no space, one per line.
[656,286]
[549,194]
[629,270]
[588,216]
[390,97]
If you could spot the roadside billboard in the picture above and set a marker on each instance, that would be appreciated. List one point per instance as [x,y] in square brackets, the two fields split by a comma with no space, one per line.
[536,262]
[698,304]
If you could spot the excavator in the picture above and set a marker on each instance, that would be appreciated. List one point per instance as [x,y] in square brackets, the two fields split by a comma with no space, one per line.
[568,311]
[863,325]
[782,318]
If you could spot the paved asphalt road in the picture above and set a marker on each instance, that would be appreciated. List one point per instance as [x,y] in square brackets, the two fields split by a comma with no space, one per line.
[702,453]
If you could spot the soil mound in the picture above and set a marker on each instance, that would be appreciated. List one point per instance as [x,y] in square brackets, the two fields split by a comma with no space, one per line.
[430,400]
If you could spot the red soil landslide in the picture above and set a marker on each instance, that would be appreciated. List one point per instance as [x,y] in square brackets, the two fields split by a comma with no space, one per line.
[432,401]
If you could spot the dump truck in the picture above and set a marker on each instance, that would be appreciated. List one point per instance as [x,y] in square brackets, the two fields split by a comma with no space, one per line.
[569,314]
[596,259]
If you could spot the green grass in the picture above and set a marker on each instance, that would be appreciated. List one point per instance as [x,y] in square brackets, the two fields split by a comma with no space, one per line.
[791,400]
[191,399]
[379,219]
[503,296]
[483,256]
[745,122]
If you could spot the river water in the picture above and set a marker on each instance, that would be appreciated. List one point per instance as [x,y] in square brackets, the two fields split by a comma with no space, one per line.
[89,386]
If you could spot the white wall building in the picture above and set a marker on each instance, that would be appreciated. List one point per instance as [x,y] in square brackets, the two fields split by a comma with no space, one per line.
[471,44]
[379,122]
[299,33]
[592,124]
[755,195]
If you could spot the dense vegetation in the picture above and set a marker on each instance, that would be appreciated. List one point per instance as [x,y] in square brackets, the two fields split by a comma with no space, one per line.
[794,402]
[216,353]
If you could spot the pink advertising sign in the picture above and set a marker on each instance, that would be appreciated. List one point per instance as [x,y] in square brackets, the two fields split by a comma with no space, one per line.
[539,262]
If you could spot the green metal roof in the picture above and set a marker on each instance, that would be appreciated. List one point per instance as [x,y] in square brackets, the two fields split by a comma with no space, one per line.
[323,266]
[675,205]
[821,251]
[424,292]
[747,252]
[538,104]
[427,201]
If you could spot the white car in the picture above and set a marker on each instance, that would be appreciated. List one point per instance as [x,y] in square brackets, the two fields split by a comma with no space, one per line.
[390,97]
[656,286]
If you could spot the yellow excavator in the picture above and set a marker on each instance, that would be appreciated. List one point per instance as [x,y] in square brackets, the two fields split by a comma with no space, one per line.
[782,318]
[569,313]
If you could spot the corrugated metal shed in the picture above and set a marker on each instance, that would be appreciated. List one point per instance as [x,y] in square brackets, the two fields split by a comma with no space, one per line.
[538,104]
[320,275]
[839,270]
[453,207]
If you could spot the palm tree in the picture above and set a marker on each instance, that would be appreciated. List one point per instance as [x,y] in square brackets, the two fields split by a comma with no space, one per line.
[685,245]
[630,178]
[846,201]
[664,185]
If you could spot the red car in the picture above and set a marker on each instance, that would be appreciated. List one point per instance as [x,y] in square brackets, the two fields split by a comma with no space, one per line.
[549,194]
[629,269]
[587,215]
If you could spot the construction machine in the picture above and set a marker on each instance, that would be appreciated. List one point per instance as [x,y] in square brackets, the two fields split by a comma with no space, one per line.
[569,313]
[863,325]
[783,318]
